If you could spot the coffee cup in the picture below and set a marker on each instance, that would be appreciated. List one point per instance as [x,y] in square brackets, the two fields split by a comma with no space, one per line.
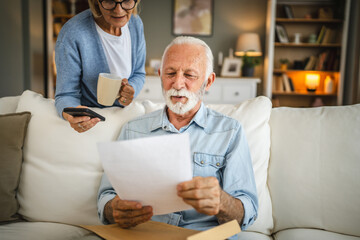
[108,88]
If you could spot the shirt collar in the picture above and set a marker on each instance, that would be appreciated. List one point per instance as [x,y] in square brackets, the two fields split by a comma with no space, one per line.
[200,117]
[162,121]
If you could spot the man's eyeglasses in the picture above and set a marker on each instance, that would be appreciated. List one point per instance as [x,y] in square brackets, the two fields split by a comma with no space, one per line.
[111,4]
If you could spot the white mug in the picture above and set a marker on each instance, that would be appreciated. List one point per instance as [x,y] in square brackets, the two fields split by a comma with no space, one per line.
[108,88]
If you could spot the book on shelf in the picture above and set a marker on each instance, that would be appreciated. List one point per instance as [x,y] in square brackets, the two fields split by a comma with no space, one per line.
[310,65]
[277,83]
[336,65]
[286,83]
[321,61]
[288,11]
[292,88]
[329,36]
[324,61]
[329,63]
[321,34]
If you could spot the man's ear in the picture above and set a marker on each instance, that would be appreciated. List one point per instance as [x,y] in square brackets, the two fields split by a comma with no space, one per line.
[159,71]
[210,81]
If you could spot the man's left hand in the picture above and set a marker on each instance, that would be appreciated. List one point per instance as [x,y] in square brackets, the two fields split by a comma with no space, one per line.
[202,193]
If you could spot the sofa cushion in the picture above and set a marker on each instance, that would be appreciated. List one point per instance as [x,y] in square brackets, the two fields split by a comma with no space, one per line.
[61,170]
[314,178]
[12,134]
[311,234]
[44,230]
[246,235]
[254,115]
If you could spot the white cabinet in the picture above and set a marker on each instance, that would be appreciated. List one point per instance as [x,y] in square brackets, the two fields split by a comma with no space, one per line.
[223,90]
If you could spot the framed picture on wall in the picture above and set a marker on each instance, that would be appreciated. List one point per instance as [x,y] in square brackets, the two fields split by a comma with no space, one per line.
[281,34]
[231,67]
[193,18]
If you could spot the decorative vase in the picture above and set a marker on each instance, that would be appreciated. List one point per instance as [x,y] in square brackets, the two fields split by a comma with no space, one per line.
[283,67]
[247,71]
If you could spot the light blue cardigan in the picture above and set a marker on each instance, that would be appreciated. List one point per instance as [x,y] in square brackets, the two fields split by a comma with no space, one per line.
[80,57]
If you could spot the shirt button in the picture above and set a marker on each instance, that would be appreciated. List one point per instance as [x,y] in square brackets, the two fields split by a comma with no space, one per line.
[202,162]
[217,164]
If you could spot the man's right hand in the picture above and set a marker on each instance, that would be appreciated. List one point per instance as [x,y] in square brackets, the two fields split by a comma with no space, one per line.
[127,214]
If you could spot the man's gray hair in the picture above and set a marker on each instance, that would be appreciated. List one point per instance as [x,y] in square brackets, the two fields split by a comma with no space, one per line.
[193,41]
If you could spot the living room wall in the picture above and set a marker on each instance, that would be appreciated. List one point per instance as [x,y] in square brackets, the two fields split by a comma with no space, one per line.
[11,48]
[22,47]
[230,17]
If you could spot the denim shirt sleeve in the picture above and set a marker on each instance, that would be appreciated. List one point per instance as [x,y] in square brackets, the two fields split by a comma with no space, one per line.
[106,191]
[238,177]
[105,194]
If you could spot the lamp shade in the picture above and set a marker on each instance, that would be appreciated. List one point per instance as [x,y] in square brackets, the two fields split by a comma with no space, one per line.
[248,43]
[312,81]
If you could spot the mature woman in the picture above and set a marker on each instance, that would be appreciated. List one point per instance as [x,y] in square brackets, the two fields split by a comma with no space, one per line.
[107,39]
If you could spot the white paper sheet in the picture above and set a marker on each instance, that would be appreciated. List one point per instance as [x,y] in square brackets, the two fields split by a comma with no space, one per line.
[148,169]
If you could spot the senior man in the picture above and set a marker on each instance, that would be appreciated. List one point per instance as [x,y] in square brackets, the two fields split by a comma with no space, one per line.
[223,187]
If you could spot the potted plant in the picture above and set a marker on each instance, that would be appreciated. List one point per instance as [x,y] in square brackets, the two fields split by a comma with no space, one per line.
[284,64]
[248,65]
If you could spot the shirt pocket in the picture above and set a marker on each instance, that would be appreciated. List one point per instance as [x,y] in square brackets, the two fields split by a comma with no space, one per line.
[207,165]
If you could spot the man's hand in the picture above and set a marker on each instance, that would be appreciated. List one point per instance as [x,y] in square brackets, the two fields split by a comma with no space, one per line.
[80,124]
[207,197]
[127,214]
[126,93]
[203,193]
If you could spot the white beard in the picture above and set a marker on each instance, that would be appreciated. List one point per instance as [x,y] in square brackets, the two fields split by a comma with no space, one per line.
[182,108]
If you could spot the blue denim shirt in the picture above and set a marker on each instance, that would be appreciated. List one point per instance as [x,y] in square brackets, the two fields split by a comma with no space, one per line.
[219,149]
[80,58]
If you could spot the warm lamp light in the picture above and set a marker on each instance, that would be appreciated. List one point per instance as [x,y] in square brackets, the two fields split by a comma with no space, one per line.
[312,81]
[249,44]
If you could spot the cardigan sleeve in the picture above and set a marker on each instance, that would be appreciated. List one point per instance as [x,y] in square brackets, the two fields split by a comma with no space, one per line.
[137,78]
[68,66]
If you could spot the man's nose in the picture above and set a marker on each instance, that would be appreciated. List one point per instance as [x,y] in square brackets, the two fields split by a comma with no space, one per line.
[179,82]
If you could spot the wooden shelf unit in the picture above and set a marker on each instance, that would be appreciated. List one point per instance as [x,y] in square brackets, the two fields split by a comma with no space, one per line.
[300,70]
[304,20]
[331,50]
[308,45]
[304,93]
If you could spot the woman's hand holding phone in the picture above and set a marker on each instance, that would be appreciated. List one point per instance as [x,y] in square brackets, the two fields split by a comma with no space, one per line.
[81,124]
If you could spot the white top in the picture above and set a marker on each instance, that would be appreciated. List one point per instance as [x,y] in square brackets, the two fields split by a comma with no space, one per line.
[117,51]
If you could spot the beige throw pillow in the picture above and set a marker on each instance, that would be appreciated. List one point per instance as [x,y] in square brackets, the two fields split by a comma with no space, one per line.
[12,133]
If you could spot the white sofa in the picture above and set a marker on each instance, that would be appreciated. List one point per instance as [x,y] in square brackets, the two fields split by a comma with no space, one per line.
[306,163]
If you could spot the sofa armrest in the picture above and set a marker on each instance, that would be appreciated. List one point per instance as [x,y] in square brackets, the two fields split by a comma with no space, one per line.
[8,104]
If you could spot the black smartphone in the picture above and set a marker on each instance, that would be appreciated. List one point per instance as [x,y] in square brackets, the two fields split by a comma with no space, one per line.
[80,112]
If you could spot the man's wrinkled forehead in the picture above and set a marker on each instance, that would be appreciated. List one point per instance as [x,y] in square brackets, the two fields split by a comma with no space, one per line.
[187,53]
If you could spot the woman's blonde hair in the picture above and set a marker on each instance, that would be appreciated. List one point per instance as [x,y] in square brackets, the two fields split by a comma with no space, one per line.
[95,8]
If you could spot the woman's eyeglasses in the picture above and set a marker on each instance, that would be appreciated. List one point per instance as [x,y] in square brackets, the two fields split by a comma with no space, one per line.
[111,4]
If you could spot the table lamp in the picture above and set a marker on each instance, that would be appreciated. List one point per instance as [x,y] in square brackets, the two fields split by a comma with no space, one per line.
[249,44]
[312,81]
